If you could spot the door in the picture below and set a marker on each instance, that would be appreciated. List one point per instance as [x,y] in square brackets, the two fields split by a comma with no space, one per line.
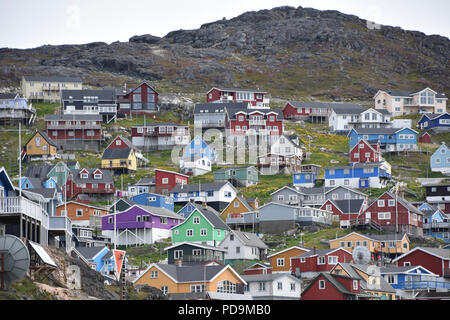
[367,217]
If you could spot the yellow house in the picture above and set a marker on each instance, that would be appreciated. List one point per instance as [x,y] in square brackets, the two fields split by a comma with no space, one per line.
[239,206]
[119,156]
[48,89]
[372,285]
[386,244]
[281,261]
[40,145]
[178,278]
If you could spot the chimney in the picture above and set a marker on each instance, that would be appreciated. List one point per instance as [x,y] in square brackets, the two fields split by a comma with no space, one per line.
[204,205]
[314,250]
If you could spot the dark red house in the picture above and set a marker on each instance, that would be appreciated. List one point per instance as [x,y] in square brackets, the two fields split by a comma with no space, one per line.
[328,286]
[140,100]
[346,210]
[293,110]
[394,214]
[165,181]
[255,97]
[258,268]
[436,260]
[425,138]
[365,152]
[309,264]
[94,183]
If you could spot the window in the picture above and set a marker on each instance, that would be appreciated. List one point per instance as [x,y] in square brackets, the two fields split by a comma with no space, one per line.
[281,197]
[165,180]
[355,284]
[349,244]
[332,260]
[321,284]
[407,264]
[262,286]
[154,274]
[177,254]
[380,203]
[226,287]
[238,249]
[384,215]
[203,232]
[280,262]
[163,220]
[391,203]
[196,252]
[189,233]
[321,260]
[198,288]
[280,285]
[302,260]
[79,212]
[292,286]
[236,204]
[342,243]
[164,289]
[196,220]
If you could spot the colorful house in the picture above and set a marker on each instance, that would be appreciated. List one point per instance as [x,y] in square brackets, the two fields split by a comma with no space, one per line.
[436,260]
[244,246]
[393,213]
[372,285]
[119,156]
[140,100]
[345,210]
[390,139]
[436,122]
[202,226]
[309,264]
[436,224]
[190,252]
[258,268]
[440,160]
[198,149]
[255,97]
[238,206]
[237,176]
[140,225]
[144,185]
[154,200]
[14,109]
[425,138]
[359,175]
[326,286]
[195,167]
[281,261]
[93,256]
[39,146]
[364,152]
[439,194]
[80,213]
[165,180]
[175,279]
[95,183]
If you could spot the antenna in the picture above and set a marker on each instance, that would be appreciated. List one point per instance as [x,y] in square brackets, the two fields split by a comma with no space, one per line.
[14,260]
[361,255]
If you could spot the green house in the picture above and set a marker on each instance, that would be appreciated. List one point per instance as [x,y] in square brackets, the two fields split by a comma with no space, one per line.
[60,173]
[202,226]
[238,176]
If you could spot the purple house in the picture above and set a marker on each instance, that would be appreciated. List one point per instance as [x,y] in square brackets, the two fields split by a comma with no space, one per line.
[140,225]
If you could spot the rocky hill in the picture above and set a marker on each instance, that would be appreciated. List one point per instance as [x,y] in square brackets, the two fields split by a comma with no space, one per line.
[291,52]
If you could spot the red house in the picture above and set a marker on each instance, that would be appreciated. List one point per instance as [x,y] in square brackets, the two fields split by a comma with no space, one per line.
[258,268]
[255,97]
[140,100]
[328,286]
[267,120]
[425,138]
[365,152]
[167,180]
[393,214]
[94,183]
[294,110]
[346,210]
[309,264]
[436,260]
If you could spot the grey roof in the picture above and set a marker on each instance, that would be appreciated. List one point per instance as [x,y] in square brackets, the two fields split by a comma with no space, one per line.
[212,216]
[320,252]
[406,204]
[358,165]
[377,130]
[213,186]
[349,206]
[198,245]
[396,269]
[240,90]
[350,268]
[107,176]
[348,109]
[47,193]
[191,273]
[145,182]
[40,172]
[108,255]
[327,105]
[44,135]
[433,116]
[225,169]
[118,153]
[212,107]
[267,277]
[89,252]
[332,279]
[161,212]
[443,253]
[52,78]
[386,237]
[156,124]
[315,190]
[105,94]
[68,117]
[399,93]
[250,239]
[8,96]
[232,111]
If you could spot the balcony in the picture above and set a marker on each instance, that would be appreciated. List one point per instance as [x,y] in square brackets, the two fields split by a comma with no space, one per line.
[257,122]
[436,225]
[20,205]
[90,191]
[84,111]
[74,127]
[209,124]
[107,109]
[60,224]
[424,285]
[52,88]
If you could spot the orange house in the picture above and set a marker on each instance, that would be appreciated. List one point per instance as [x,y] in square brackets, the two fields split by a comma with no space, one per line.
[281,261]
[39,145]
[239,206]
[183,279]
[77,211]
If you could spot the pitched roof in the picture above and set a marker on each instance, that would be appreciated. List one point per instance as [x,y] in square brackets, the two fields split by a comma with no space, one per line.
[438,252]
[221,107]
[321,252]
[107,176]
[331,278]
[349,206]
[213,186]
[405,203]
[348,109]
[118,153]
[191,273]
[212,216]
[268,277]
[287,249]
[161,212]
[250,239]
[145,182]
[238,89]
[194,244]
[89,252]
[40,172]
[8,96]
[104,94]
[44,136]
[350,269]
[46,193]
[379,130]
[73,117]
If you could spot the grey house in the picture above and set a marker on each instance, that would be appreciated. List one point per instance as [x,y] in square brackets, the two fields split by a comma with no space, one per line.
[276,218]
[237,176]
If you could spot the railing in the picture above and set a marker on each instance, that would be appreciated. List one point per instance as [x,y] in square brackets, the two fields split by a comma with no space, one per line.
[257,122]
[447,273]
[52,88]
[60,223]
[86,190]
[200,258]
[110,109]
[75,126]
[15,205]
[416,285]
[443,225]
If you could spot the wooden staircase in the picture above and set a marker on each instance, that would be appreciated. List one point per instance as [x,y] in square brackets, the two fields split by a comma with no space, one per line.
[362,222]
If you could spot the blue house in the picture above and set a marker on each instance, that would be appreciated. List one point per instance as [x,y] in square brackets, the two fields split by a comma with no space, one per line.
[94,256]
[436,224]
[6,187]
[412,278]
[440,160]
[154,200]
[304,179]
[391,139]
[198,149]
[436,122]
[187,210]
[360,175]
[36,183]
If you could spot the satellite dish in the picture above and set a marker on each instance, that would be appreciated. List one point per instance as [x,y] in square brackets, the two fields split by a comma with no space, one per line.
[361,255]
[14,259]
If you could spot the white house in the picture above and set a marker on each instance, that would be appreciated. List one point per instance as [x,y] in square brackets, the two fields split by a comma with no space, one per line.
[275,286]
[345,119]
[286,147]
[341,117]
[244,246]
[195,167]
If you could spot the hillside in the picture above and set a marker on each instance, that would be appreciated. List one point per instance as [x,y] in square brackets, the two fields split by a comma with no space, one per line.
[290,52]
